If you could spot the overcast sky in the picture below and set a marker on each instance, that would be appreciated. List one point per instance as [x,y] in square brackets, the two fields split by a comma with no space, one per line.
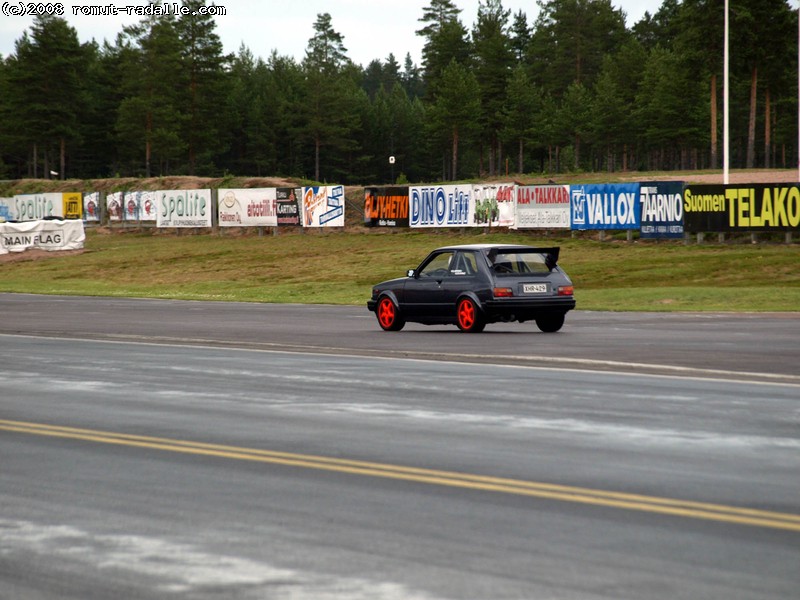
[372,29]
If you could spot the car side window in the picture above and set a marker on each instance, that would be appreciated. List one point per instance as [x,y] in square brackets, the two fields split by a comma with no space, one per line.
[465,264]
[438,266]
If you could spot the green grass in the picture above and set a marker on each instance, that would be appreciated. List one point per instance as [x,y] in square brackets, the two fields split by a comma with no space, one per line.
[339,267]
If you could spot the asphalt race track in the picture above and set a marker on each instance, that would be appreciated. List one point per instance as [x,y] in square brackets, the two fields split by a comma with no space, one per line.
[756,345]
[191,450]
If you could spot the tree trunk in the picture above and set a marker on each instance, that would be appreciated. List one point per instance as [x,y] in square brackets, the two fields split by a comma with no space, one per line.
[148,148]
[499,155]
[767,131]
[63,158]
[316,158]
[714,141]
[455,153]
[194,123]
[521,163]
[751,130]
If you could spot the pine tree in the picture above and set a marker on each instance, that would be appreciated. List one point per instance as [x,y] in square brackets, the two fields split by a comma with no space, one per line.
[205,67]
[329,119]
[615,93]
[456,111]
[575,116]
[45,80]
[6,120]
[669,111]
[326,52]
[411,78]
[493,63]
[521,35]
[447,40]
[150,117]
[521,113]
[570,39]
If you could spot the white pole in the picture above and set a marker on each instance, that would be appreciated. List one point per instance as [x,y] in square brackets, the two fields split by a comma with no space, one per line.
[726,161]
[798,93]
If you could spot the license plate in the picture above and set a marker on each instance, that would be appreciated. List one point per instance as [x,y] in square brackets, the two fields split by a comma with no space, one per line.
[534,288]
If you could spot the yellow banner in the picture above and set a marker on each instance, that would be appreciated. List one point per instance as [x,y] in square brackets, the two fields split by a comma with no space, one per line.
[73,205]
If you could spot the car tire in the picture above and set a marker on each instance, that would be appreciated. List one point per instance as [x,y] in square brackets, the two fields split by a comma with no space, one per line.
[469,317]
[550,323]
[388,314]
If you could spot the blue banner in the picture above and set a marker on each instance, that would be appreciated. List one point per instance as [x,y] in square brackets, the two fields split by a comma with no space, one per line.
[605,206]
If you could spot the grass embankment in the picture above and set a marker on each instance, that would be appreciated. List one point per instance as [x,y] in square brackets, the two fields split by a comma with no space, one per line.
[340,267]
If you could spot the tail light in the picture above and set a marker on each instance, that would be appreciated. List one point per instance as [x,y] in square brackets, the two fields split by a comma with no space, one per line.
[566,290]
[500,292]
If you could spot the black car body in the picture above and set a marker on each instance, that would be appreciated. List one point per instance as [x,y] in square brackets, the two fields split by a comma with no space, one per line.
[472,285]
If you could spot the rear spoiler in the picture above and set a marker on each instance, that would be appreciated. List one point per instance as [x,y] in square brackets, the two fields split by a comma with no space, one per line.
[550,254]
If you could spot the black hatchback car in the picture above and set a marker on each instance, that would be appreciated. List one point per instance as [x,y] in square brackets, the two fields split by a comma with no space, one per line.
[472,285]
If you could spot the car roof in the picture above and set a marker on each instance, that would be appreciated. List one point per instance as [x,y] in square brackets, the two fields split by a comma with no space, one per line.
[486,247]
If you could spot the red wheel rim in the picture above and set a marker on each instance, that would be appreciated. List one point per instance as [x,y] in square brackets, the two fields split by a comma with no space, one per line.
[386,312]
[466,314]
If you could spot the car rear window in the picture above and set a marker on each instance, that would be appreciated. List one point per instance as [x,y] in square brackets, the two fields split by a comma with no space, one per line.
[520,263]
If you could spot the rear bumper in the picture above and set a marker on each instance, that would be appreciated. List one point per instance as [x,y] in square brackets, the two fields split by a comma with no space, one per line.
[527,308]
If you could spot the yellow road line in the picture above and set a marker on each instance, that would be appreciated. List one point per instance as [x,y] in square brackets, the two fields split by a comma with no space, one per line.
[651,504]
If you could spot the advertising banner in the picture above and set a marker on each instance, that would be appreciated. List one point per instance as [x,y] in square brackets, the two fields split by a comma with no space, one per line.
[386,206]
[50,235]
[323,206]
[140,206]
[605,206]
[543,207]
[661,209]
[732,208]
[288,204]
[494,204]
[5,208]
[31,207]
[441,206]
[184,208]
[91,207]
[114,202]
[248,207]
[72,203]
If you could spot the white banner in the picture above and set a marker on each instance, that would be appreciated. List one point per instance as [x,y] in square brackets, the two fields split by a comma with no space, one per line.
[184,208]
[140,206]
[247,207]
[441,206]
[91,207]
[543,207]
[50,235]
[494,204]
[114,202]
[323,206]
[31,207]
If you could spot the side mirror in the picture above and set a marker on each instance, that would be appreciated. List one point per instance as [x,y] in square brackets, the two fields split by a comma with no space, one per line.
[410,273]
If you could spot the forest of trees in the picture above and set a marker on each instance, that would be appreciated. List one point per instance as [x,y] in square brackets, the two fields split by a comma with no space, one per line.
[575,90]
